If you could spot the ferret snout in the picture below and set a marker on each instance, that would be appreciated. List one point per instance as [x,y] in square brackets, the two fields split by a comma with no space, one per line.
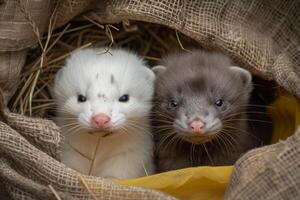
[197,126]
[100,120]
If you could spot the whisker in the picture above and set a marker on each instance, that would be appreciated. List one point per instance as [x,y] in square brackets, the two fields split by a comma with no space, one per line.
[247,119]
[205,148]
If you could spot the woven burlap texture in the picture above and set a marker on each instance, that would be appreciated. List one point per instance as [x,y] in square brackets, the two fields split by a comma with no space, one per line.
[263,36]
[11,64]
[270,172]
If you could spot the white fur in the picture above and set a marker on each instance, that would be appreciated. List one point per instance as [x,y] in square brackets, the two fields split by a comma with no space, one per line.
[127,152]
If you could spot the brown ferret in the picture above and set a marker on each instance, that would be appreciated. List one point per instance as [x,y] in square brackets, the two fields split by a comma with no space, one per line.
[200,111]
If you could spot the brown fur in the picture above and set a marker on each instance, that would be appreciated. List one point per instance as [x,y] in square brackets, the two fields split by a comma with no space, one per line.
[195,80]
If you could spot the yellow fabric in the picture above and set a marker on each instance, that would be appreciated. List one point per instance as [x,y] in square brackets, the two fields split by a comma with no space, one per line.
[210,182]
[189,183]
[285,114]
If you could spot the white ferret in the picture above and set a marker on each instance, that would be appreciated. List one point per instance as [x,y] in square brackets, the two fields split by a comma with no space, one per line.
[104,101]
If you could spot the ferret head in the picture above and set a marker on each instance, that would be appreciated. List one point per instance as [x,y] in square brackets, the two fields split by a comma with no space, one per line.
[200,96]
[103,92]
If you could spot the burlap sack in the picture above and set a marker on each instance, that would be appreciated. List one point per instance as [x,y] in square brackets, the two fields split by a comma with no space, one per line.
[271,172]
[263,36]
[11,64]
[21,22]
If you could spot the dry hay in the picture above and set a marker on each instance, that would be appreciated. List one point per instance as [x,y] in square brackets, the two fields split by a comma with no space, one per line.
[33,97]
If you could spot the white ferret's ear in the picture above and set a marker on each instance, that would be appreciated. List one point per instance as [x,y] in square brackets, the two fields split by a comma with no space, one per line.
[243,73]
[57,80]
[159,69]
[58,75]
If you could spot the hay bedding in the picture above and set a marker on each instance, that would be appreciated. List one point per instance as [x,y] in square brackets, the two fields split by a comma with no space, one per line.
[262,36]
[148,40]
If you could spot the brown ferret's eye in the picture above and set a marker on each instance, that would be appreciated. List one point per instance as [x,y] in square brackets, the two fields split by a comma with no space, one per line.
[172,104]
[219,103]
[81,98]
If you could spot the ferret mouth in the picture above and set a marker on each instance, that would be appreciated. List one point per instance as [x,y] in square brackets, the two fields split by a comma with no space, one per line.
[198,139]
[101,132]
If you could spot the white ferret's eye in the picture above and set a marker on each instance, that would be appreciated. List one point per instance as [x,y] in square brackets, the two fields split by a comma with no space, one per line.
[124,98]
[81,98]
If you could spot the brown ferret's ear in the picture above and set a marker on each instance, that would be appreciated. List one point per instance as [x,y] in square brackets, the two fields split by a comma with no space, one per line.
[245,75]
[159,69]
[150,74]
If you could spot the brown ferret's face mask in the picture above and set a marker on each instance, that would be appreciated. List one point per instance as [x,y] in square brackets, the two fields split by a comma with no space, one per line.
[200,107]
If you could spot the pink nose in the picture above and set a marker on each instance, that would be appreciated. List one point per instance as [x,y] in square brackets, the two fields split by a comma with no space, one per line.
[100,120]
[197,126]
